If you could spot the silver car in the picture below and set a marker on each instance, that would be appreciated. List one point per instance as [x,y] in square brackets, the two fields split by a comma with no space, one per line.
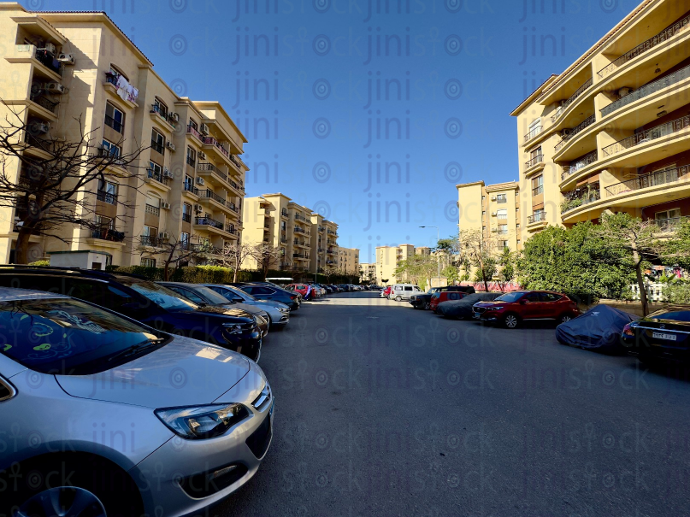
[110,417]
[278,311]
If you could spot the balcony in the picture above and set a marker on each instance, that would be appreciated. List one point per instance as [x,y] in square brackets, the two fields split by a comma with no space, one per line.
[534,132]
[577,129]
[299,230]
[163,116]
[153,210]
[231,229]
[108,234]
[575,201]
[643,47]
[106,197]
[501,200]
[211,143]
[233,207]
[195,133]
[652,179]
[648,135]
[648,89]
[158,176]
[535,160]
[150,241]
[207,221]
[112,80]
[284,213]
[209,194]
[299,217]
[331,232]
[562,108]
[537,217]
[190,188]
[578,164]
[46,104]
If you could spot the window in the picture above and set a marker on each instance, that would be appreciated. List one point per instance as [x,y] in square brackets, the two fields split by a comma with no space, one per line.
[549,297]
[155,171]
[111,149]
[193,124]
[283,225]
[501,198]
[674,213]
[534,153]
[107,192]
[189,183]
[105,227]
[157,141]
[153,206]
[148,262]
[191,156]
[114,118]
[160,108]
[184,240]
[503,229]
[502,214]
[537,185]
[187,213]
[503,244]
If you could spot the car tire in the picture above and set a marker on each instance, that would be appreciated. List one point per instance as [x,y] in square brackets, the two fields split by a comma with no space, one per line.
[511,321]
[427,306]
[563,318]
[398,299]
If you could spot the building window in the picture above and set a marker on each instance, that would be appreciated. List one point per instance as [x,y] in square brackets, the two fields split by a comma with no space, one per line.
[114,118]
[148,262]
[501,198]
[191,156]
[503,229]
[184,240]
[483,213]
[153,206]
[157,141]
[502,214]
[160,108]
[188,183]
[111,149]
[155,171]
[187,212]
[148,235]
[107,192]
[503,244]
[537,185]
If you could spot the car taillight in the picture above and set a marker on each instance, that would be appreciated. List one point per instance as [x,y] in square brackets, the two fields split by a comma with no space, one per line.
[293,296]
[628,331]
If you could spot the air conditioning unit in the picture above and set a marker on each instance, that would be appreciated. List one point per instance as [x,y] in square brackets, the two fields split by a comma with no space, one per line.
[200,181]
[203,129]
[202,155]
[39,127]
[67,59]
[170,146]
[174,117]
[494,229]
[167,173]
[55,88]
[164,236]
[626,90]
[50,48]
[165,205]
[198,208]
[493,198]
[494,214]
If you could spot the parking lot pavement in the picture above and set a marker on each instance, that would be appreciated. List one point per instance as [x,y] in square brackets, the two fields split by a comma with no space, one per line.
[382,409]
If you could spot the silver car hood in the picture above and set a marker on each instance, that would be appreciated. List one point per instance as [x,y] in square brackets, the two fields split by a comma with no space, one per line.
[184,372]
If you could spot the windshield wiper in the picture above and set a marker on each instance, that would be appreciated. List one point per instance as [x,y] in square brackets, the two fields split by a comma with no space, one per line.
[135,349]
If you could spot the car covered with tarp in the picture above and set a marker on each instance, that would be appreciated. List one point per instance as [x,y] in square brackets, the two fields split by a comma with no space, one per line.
[600,327]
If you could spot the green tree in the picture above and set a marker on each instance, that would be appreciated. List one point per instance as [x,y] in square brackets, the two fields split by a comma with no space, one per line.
[417,268]
[451,273]
[507,263]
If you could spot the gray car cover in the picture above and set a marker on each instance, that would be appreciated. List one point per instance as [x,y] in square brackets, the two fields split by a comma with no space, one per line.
[599,327]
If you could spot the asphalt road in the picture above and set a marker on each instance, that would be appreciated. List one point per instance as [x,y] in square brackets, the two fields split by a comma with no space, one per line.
[385,410]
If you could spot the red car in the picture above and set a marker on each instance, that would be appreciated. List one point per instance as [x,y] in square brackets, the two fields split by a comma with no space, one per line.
[511,309]
[444,296]
[302,289]
[386,291]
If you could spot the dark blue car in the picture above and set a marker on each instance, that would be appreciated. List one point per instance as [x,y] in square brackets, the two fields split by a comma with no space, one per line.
[147,302]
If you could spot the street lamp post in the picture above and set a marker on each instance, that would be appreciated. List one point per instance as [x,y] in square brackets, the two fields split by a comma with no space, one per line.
[438,257]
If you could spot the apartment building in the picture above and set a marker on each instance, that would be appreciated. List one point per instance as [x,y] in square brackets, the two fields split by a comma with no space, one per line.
[612,132]
[347,260]
[80,65]
[306,240]
[493,210]
[367,272]
[387,260]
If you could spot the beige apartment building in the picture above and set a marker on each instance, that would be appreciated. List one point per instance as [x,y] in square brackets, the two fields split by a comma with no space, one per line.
[494,210]
[348,260]
[612,132]
[73,65]
[306,240]
[367,272]
[387,260]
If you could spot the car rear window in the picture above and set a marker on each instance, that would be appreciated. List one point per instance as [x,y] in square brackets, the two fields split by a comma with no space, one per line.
[65,336]
[672,315]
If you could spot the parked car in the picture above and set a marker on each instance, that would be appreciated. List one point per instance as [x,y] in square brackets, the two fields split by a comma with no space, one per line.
[443,296]
[269,292]
[385,293]
[203,296]
[660,337]
[187,433]
[423,300]
[462,309]
[144,301]
[278,311]
[511,309]
[401,292]
[303,289]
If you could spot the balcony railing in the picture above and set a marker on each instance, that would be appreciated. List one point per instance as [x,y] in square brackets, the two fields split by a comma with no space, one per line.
[233,207]
[157,175]
[194,132]
[231,229]
[331,232]
[209,140]
[149,240]
[571,99]
[48,60]
[578,164]
[115,124]
[158,147]
[284,213]
[189,187]
[209,167]
[643,47]
[534,160]
[106,197]
[576,201]
[153,210]
[108,234]
[648,135]
[648,89]
[45,103]
[536,217]
[651,179]
[577,129]
[299,230]
[534,132]
[207,221]
[209,194]
[300,218]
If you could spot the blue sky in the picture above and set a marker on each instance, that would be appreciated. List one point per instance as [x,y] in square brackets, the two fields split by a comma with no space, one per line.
[296,74]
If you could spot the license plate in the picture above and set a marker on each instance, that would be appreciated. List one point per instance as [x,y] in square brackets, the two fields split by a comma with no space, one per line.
[661,335]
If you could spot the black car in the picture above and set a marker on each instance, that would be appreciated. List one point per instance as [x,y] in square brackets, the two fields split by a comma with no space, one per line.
[423,301]
[661,336]
[268,291]
[462,309]
[144,301]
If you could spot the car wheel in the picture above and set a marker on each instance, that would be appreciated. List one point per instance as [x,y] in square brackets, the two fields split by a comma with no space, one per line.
[511,321]
[563,318]
[398,299]
[427,306]
[64,500]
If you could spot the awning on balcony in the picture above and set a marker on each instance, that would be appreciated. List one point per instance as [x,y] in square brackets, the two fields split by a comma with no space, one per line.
[588,181]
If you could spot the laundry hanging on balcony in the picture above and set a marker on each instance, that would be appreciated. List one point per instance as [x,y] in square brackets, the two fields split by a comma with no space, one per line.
[122,86]
[132,93]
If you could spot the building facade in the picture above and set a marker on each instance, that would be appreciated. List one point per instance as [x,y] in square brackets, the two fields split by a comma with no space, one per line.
[387,260]
[348,261]
[612,132]
[367,272]
[190,189]
[493,210]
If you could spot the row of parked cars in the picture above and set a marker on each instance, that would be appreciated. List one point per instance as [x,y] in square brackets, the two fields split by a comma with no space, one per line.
[130,397]
[657,339]
[311,291]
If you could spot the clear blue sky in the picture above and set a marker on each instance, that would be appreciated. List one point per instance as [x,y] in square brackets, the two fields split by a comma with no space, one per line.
[444,76]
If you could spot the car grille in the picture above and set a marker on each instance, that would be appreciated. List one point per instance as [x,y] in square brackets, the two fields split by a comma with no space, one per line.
[260,439]
[478,310]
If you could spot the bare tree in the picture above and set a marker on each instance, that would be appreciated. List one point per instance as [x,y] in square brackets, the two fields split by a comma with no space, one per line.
[55,177]
[234,255]
[479,253]
[177,252]
[265,255]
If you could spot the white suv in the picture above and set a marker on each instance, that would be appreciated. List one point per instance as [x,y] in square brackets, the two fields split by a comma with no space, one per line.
[401,292]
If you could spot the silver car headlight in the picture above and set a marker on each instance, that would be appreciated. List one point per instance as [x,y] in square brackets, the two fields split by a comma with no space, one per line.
[284,310]
[202,422]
